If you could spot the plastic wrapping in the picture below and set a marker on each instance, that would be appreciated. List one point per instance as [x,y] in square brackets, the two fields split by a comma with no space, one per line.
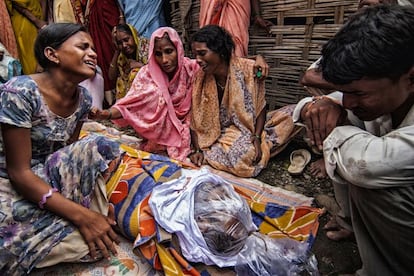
[214,225]
[222,216]
[209,218]
[266,256]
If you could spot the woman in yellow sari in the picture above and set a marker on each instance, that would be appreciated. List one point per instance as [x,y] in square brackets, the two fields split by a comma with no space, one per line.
[131,54]
[27,18]
[230,127]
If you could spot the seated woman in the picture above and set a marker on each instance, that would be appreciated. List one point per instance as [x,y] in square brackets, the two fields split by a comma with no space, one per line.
[130,55]
[229,125]
[158,103]
[52,206]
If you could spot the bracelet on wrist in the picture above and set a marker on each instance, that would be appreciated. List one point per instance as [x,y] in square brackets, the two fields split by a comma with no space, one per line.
[45,196]
[109,114]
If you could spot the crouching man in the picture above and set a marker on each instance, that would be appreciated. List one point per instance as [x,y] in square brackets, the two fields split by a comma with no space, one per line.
[367,135]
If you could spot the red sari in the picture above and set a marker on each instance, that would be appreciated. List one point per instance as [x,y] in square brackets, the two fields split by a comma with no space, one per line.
[101,17]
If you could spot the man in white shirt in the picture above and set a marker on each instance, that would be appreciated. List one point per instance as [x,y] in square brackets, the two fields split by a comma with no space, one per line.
[367,137]
[339,227]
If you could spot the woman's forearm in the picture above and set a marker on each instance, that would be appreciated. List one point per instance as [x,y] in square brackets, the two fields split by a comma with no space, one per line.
[39,23]
[194,141]
[113,67]
[75,135]
[260,122]
[106,114]
[34,189]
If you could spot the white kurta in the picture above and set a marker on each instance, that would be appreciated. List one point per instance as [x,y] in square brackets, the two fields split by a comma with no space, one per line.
[376,162]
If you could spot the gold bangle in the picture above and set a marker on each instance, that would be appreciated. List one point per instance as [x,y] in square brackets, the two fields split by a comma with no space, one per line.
[109,114]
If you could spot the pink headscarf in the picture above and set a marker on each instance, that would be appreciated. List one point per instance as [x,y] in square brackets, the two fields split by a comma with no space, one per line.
[158,108]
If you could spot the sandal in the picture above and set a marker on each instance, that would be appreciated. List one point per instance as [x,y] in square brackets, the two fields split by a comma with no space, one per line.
[298,161]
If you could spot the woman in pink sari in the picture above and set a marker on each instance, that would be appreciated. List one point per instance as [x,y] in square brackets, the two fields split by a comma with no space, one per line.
[158,103]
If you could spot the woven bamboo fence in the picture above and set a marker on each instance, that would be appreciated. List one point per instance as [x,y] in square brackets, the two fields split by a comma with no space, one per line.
[294,43]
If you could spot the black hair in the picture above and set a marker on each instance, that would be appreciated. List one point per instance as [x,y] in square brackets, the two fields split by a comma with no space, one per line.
[53,35]
[217,39]
[377,42]
[124,28]
[166,36]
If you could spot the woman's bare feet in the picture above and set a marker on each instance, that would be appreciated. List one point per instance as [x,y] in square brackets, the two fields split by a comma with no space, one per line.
[317,168]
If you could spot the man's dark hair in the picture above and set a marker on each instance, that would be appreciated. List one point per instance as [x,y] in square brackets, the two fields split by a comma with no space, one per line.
[377,42]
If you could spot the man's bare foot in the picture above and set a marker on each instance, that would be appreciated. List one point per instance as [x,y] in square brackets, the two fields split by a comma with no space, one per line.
[328,202]
[336,232]
[332,224]
[340,235]
[317,169]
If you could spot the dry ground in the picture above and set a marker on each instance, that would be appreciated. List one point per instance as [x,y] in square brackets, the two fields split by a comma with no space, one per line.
[334,258]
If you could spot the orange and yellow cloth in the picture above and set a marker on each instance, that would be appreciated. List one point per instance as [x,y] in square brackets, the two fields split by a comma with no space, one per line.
[133,175]
[129,190]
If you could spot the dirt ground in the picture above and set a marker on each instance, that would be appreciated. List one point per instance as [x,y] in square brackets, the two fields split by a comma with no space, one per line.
[334,258]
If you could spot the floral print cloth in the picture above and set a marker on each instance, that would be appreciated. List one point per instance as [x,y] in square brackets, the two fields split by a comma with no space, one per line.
[225,130]
[28,233]
[158,108]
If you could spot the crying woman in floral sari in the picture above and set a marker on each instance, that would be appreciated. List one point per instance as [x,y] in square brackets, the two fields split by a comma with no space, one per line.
[51,184]
[230,128]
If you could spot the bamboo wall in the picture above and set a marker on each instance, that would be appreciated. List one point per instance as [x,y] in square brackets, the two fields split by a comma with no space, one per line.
[301,28]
